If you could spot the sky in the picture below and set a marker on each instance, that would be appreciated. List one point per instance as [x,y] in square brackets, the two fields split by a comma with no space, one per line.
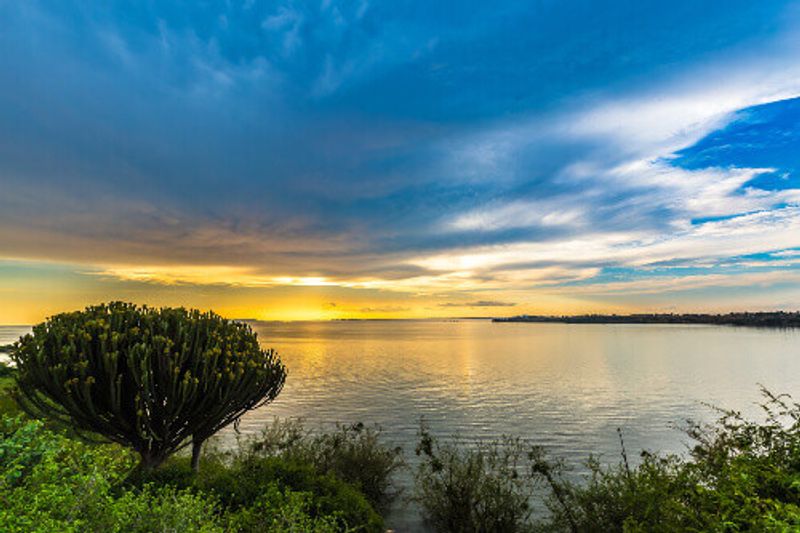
[363,159]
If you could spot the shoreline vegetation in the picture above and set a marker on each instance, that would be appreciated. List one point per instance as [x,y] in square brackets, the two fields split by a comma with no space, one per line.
[79,473]
[777,319]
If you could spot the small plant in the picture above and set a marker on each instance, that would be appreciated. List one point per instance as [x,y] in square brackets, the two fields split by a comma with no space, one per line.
[7,404]
[154,380]
[482,489]
[285,511]
[353,453]
[6,370]
[241,482]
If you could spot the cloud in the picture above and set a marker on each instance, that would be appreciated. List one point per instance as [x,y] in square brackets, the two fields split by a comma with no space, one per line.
[674,284]
[383,148]
[519,214]
[384,309]
[478,303]
[288,23]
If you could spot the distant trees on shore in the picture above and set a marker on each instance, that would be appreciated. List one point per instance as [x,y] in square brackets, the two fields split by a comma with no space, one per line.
[777,319]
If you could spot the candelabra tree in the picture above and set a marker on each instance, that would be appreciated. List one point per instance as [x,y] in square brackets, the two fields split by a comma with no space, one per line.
[154,380]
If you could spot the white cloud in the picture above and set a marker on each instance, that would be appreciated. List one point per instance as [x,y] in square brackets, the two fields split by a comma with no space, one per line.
[519,214]
[618,162]
[287,22]
[667,284]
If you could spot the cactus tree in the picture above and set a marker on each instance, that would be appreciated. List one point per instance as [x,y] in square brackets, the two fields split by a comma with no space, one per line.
[155,380]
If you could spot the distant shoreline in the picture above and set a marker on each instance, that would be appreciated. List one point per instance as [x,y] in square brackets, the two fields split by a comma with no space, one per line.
[778,319]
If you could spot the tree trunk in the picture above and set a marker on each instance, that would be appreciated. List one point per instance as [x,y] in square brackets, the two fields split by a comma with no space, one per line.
[149,461]
[197,446]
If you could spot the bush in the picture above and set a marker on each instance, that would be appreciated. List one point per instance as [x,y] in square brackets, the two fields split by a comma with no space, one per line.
[284,511]
[162,509]
[49,482]
[353,453]
[242,482]
[652,497]
[149,379]
[6,371]
[488,488]
[7,404]
[741,475]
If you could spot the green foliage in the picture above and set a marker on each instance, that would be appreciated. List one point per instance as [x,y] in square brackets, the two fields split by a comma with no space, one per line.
[240,482]
[149,379]
[652,497]
[285,511]
[354,453]
[49,482]
[8,406]
[6,370]
[481,489]
[162,509]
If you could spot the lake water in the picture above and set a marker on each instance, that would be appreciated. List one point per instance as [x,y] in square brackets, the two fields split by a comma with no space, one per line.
[566,387]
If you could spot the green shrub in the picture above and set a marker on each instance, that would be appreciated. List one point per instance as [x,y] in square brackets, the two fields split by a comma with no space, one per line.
[6,371]
[353,453]
[162,509]
[7,404]
[652,497]
[482,489]
[149,379]
[285,511]
[241,482]
[49,483]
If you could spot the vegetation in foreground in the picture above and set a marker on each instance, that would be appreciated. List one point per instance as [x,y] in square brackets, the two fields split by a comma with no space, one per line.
[740,475]
[51,483]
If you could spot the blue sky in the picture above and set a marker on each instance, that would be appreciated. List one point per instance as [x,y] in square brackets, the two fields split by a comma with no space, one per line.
[326,159]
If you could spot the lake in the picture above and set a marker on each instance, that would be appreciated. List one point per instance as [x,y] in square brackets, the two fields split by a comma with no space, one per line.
[567,387]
